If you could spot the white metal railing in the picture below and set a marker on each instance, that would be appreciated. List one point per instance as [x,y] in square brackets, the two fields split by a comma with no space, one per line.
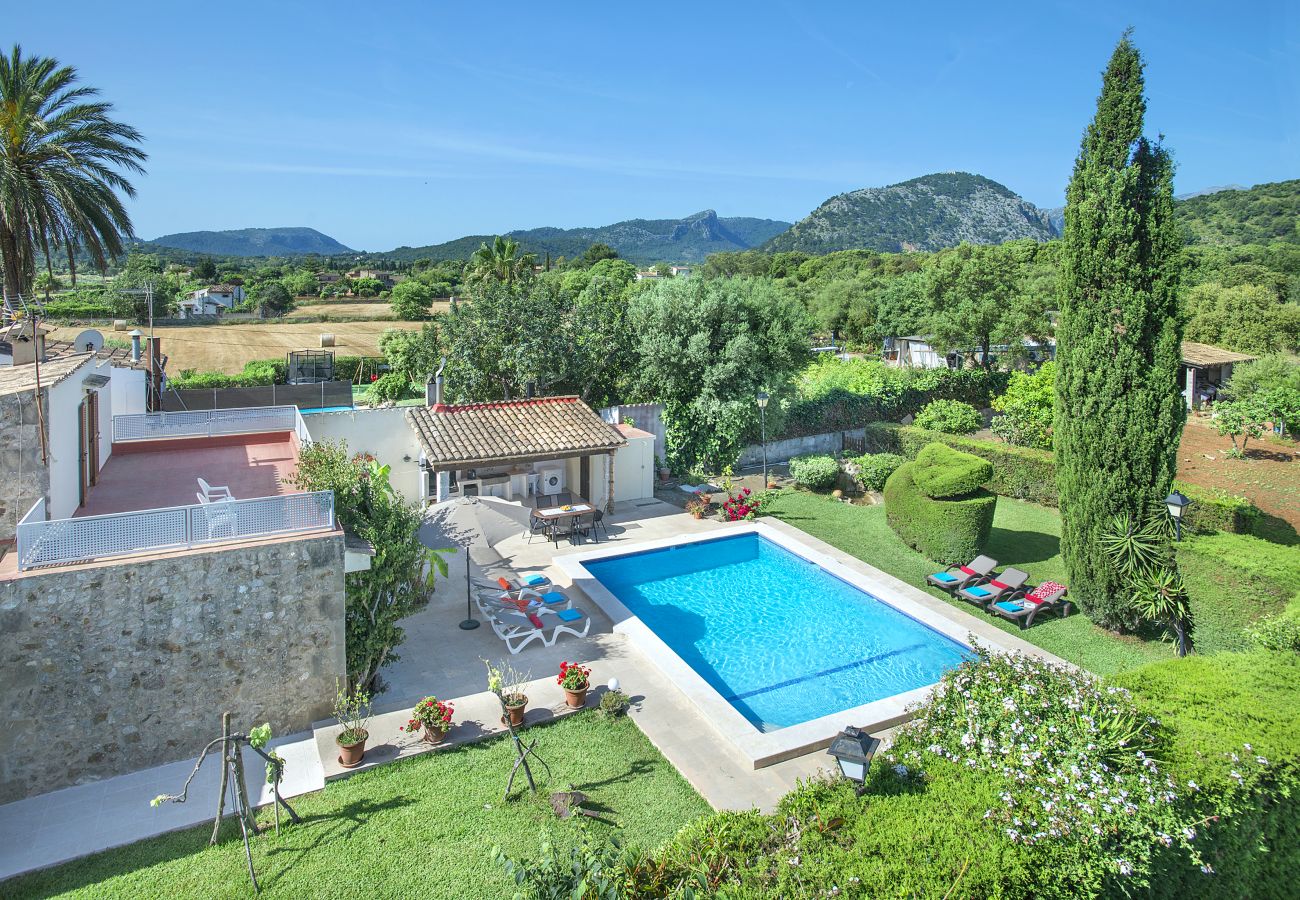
[63,541]
[205,422]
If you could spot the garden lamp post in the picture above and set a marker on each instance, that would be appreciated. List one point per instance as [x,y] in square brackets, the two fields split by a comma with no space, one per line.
[1177,504]
[853,749]
[762,418]
[470,623]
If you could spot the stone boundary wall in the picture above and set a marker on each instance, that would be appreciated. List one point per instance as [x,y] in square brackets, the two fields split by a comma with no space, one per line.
[24,479]
[111,668]
[784,450]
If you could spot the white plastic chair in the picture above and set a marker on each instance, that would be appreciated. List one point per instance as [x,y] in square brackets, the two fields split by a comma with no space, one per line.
[215,492]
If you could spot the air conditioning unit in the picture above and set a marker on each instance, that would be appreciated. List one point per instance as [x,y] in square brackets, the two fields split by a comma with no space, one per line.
[550,481]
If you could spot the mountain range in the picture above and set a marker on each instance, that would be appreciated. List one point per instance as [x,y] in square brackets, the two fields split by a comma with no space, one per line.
[641,241]
[254,242]
[926,213]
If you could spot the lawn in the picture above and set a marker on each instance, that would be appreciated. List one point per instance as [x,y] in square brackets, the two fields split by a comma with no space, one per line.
[422,828]
[1232,579]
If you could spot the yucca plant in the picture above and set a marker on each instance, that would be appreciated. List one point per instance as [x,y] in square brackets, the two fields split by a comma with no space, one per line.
[1143,559]
[62,164]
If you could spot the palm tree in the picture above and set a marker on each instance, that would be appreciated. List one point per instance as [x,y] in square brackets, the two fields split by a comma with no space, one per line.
[62,159]
[501,261]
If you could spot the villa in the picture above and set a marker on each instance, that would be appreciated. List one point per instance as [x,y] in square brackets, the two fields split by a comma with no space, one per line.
[212,300]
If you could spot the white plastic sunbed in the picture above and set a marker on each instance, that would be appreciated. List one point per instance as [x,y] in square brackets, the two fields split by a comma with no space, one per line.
[518,631]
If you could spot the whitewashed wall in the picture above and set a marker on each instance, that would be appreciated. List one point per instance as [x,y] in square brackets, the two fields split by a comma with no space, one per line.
[383,433]
[64,450]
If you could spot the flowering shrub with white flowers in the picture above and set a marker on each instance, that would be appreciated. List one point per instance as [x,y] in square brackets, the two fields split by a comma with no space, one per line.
[1079,760]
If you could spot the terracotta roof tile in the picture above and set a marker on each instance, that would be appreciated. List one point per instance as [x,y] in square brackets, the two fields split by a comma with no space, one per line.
[1195,354]
[511,431]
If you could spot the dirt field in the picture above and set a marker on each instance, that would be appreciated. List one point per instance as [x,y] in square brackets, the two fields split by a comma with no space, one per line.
[360,309]
[225,348]
[1269,476]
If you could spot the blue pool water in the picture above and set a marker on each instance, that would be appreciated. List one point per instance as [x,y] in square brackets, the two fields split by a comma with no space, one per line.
[325,409]
[782,639]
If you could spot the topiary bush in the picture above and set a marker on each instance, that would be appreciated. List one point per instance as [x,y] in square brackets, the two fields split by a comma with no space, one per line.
[391,386]
[874,469]
[951,530]
[941,471]
[949,417]
[816,472]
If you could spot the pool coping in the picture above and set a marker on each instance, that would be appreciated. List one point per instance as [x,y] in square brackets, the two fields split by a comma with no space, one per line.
[757,748]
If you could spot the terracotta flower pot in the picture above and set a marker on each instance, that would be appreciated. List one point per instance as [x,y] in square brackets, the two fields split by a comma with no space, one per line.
[435,735]
[665,474]
[575,699]
[350,756]
[516,712]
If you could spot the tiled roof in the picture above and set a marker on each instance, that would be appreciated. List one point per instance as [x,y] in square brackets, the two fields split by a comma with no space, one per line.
[14,379]
[1195,354]
[511,431]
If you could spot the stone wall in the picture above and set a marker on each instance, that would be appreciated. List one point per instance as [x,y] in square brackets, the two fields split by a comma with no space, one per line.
[24,479]
[111,668]
[784,450]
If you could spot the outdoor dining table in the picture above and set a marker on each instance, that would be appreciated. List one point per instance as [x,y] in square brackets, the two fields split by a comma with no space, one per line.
[555,516]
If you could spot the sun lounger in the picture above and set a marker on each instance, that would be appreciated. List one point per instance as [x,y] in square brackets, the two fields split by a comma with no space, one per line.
[534,580]
[495,598]
[954,578]
[991,590]
[1024,606]
[519,629]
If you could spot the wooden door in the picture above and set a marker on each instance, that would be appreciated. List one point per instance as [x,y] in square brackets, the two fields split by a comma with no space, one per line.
[81,453]
[92,437]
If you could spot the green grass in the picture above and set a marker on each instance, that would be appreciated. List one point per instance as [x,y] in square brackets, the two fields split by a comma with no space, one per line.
[422,828]
[1231,578]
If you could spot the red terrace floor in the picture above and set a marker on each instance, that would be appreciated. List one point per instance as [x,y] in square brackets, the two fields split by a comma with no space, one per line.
[155,474]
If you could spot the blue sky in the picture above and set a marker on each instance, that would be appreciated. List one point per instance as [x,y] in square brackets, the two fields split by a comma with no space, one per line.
[384,124]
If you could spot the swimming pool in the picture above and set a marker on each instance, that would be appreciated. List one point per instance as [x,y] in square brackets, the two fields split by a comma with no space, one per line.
[780,638]
[325,409]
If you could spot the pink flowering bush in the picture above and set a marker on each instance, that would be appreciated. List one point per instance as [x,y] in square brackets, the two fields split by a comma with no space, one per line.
[744,505]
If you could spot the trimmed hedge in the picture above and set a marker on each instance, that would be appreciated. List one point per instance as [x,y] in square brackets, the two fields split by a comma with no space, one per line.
[950,417]
[874,469]
[256,373]
[1029,474]
[949,531]
[816,472]
[940,472]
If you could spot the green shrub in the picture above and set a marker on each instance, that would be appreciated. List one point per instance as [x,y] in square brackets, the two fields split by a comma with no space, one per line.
[1029,474]
[816,472]
[1027,408]
[256,373]
[947,531]
[874,469]
[1281,632]
[73,309]
[385,388]
[949,417]
[940,472]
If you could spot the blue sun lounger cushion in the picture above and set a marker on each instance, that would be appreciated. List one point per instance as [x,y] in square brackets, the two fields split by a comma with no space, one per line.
[570,615]
[978,591]
[553,597]
[944,576]
[534,579]
[1009,606]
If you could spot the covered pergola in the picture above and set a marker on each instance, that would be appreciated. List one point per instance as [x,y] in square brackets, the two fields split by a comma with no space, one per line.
[505,446]
[1207,368]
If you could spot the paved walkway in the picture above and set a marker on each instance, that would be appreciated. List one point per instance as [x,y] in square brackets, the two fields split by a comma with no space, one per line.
[76,821]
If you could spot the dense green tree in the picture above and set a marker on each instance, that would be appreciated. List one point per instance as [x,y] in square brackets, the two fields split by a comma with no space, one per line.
[411,354]
[1118,410]
[300,283]
[1264,374]
[976,296]
[706,348]
[46,282]
[411,300]
[205,269]
[367,287]
[271,298]
[596,252]
[902,306]
[62,164]
[1247,318]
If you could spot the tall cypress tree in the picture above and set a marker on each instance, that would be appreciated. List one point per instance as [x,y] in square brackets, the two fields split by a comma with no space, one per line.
[1119,414]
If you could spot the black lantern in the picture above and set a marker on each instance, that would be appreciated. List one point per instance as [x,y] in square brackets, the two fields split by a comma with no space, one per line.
[853,749]
[1177,504]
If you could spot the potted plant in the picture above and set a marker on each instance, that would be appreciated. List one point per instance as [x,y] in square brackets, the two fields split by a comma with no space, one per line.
[431,716]
[575,680]
[664,472]
[697,508]
[352,710]
[508,685]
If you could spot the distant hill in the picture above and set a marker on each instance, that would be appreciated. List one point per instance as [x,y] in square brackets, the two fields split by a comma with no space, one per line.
[1262,214]
[926,213]
[254,242]
[641,241]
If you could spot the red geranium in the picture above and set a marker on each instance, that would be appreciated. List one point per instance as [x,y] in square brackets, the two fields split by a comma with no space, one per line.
[573,677]
[429,713]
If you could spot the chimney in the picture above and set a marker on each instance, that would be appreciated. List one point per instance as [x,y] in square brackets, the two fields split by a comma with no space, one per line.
[135,345]
[530,390]
[433,387]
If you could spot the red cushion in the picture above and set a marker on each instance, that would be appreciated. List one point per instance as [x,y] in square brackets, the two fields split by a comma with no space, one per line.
[505,585]
[968,570]
[537,623]
[1000,585]
[1044,590]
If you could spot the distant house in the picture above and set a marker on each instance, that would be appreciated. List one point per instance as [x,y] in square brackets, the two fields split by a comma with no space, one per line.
[324,278]
[211,300]
[648,275]
[384,277]
[1205,370]
[916,352]
[680,271]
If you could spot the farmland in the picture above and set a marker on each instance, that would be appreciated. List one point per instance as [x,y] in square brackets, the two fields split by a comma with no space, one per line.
[226,348]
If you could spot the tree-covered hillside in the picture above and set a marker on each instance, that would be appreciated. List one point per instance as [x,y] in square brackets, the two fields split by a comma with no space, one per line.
[1259,215]
[926,213]
[253,242]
